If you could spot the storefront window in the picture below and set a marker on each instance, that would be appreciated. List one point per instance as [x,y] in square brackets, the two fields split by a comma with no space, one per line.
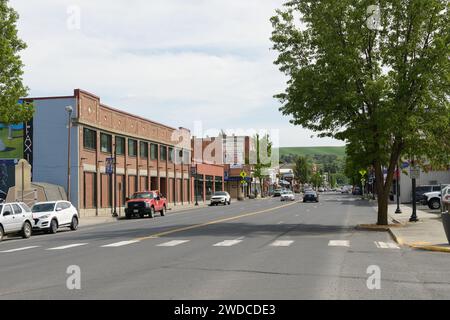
[209,187]
[218,184]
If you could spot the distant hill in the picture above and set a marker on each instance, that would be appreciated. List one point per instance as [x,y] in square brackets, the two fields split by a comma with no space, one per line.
[304,151]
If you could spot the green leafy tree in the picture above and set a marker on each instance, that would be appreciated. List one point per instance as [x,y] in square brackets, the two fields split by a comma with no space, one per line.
[263,158]
[302,170]
[11,86]
[383,90]
[317,180]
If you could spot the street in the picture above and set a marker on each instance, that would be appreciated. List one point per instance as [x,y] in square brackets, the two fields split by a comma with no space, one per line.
[255,249]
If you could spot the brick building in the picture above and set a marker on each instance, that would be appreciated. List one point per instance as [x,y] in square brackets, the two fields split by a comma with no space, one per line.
[149,155]
[231,154]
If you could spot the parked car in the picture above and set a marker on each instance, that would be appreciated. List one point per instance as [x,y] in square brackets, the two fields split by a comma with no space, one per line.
[220,197]
[2,196]
[433,199]
[287,195]
[145,203]
[357,191]
[52,215]
[15,218]
[321,189]
[421,190]
[311,196]
[277,192]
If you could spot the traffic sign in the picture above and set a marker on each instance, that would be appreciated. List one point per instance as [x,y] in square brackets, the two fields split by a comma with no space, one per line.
[243,174]
[362,172]
[414,172]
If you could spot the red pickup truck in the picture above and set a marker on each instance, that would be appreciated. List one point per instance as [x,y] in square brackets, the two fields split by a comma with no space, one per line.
[145,203]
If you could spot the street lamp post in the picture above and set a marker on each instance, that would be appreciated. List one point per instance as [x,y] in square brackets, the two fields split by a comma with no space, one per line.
[397,190]
[69,111]
[414,211]
[114,177]
[196,184]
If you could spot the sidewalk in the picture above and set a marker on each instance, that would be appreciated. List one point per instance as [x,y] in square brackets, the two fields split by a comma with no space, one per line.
[90,221]
[427,234]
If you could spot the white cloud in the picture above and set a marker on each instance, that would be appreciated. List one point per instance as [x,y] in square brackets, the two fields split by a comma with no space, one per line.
[172,61]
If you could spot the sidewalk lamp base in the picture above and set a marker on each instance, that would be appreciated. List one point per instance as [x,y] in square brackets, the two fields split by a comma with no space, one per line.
[413,219]
[398,211]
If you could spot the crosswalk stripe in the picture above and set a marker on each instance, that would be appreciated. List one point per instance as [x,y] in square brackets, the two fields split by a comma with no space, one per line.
[282,243]
[386,245]
[119,244]
[68,246]
[339,243]
[172,243]
[227,243]
[19,249]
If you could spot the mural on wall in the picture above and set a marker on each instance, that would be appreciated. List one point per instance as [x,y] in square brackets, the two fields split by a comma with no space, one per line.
[16,142]
[11,141]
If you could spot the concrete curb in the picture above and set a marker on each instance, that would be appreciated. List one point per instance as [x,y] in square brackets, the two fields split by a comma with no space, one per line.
[418,245]
[375,227]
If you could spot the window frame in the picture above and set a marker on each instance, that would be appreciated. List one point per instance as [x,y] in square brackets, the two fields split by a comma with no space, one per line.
[124,140]
[109,140]
[135,148]
[141,143]
[151,151]
[85,145]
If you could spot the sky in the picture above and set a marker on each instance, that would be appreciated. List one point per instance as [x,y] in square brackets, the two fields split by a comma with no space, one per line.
[178,62]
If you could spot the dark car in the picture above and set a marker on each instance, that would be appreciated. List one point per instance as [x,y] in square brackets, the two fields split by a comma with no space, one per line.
[421,190]
[311,196]
[357,191]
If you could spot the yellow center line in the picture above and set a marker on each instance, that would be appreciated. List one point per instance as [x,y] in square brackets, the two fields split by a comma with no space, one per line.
[165,233]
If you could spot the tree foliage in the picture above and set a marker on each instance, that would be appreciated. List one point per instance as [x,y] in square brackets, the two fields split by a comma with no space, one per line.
[302,169]
[11,86]
[383,91]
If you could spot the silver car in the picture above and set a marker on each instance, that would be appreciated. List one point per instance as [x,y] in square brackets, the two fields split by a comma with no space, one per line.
[15,217]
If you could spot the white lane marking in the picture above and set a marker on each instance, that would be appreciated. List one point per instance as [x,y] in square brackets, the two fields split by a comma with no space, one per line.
[282,243]
[172,243]
[119,244]
[227,243]
[386,245]
[68,246]
[281,222]
[339,243]
[19,249]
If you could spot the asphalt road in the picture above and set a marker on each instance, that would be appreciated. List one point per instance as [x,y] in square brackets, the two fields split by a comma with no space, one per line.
[257,249]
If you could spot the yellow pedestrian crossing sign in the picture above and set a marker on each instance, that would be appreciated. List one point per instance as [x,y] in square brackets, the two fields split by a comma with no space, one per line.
[243,174]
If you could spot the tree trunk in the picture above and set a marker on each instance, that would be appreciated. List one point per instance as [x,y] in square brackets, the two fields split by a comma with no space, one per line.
[383,187]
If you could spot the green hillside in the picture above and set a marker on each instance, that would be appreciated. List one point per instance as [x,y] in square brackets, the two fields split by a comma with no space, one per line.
[304,151]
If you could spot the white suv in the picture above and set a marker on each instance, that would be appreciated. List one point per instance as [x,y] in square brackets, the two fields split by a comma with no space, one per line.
[15,218]
[221,197]
[49,216]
